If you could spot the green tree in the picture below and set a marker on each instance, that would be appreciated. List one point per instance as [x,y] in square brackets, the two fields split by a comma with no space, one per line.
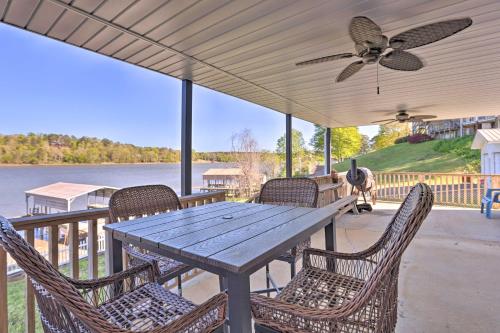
[345,141]
[365,145]
[300,155]
[387,134]
[298,144]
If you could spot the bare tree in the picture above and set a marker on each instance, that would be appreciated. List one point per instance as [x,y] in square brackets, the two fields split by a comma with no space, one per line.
[247,156]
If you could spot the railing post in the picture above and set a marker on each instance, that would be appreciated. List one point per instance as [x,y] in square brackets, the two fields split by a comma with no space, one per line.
[471,190]
[385,185]
[441,195]
[288,145]
[186,137]
[92,244]
[30,296]
[4,320]
[74,250]
[478,191]
[399,186]
[54,245]
[452,188]
[459,190]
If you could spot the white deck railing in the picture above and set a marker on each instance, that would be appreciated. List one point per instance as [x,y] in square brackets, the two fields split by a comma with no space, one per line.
[452,189]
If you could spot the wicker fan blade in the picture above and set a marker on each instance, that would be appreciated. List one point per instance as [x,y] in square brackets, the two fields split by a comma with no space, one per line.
[387,112]
[324,59]
[422,117]
[419,108]
[381,121]
[365,31]
[429,33]
[401,61]
[350,70]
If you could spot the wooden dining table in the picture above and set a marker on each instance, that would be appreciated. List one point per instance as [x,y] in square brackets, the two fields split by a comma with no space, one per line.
[230,239]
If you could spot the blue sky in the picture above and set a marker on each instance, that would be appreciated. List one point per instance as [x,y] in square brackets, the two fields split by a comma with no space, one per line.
[50,87]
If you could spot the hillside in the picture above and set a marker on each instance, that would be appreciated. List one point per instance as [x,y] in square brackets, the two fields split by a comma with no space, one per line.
[432,156]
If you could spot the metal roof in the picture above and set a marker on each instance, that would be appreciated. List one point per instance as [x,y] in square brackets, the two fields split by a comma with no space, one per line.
[248,49]
[484,136]
[65,191]
[223,172]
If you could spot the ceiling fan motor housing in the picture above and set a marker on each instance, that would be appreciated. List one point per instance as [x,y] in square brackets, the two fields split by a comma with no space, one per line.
[402,116]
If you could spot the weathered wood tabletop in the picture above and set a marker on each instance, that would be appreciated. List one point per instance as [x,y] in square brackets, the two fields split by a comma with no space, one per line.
[230,239]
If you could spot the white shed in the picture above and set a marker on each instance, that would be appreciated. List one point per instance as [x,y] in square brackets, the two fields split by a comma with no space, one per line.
[488,140]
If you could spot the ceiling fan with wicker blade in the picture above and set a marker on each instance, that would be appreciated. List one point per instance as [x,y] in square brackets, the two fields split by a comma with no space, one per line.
[370,45]
[402,115]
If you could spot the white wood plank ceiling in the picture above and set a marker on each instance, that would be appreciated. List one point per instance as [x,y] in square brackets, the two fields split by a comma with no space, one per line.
[248,49]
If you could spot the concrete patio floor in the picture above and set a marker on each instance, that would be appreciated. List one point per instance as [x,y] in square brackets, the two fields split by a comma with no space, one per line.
[449,277]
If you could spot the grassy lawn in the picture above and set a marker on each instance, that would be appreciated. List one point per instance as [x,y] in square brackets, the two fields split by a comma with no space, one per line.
[421,157]
[16,297]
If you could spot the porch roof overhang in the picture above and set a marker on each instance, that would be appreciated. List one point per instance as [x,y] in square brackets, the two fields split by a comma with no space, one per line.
[249,48]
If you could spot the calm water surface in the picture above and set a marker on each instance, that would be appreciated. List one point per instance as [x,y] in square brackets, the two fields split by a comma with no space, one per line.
[15,180]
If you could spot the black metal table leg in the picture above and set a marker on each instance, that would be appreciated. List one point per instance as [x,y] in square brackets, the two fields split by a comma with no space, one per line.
[240,317]
[331,243]
[330,236]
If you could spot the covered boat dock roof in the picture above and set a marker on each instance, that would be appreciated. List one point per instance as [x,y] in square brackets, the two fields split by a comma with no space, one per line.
[59,196]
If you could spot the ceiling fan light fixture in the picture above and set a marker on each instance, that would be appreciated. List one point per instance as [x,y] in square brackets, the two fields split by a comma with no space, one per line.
[396,43]
[370,59]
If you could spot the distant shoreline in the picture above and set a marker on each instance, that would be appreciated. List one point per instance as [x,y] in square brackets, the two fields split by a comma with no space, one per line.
[102,164]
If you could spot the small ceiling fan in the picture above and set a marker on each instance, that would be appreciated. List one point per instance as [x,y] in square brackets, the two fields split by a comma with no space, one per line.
[402,115]
[370,45]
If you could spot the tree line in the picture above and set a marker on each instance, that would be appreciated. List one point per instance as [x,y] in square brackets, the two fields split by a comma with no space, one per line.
[68,149]
[56,148]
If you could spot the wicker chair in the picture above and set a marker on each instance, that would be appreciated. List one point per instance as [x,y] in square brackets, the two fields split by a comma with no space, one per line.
[298,192]
[142,201]
[125,302]
[340,292]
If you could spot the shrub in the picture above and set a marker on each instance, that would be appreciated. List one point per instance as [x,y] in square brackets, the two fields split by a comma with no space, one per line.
[402,139]
[418,138]
[461,147]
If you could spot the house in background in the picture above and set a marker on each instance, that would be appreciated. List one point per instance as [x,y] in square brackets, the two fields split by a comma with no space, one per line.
[454,128]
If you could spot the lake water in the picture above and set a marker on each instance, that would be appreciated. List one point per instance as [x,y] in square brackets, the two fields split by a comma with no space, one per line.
[14,180]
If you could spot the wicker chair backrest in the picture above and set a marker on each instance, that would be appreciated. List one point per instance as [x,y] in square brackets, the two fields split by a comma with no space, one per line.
[67,308]
[141,201]
[409,216]
[299,192]
[396,239]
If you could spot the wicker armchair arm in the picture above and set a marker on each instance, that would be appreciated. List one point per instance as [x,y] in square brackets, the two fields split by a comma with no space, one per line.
[354,265]
[363,255]
[114,278]
[205,318]
[102,290]
[139,258]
